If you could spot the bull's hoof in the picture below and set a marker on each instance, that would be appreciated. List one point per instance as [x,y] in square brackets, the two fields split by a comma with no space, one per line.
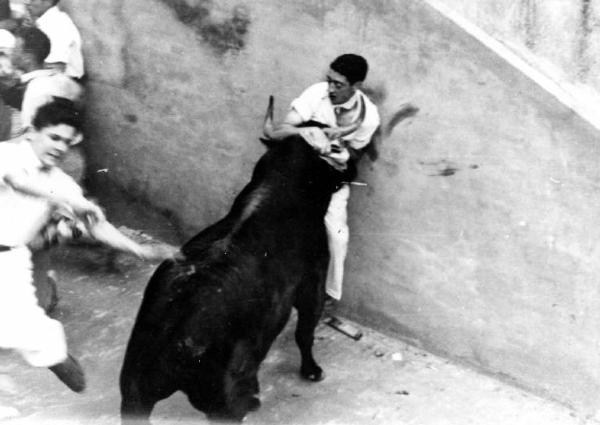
[253,404]
[314,374]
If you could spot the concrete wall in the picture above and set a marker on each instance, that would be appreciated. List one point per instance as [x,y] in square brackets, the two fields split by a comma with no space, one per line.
[563,33]
[477,235]
[559,39]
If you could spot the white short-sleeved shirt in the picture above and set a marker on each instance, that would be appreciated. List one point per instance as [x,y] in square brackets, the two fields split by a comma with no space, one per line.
[314,104]
[23,216]
[42,85]
[65,40]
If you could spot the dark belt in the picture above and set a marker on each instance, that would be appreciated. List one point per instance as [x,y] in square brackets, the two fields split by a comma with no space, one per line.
[4,248]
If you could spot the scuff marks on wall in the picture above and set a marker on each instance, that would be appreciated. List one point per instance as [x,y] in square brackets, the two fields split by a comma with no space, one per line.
[528,19]
[223,36]
[583,40]
[406,110]
[444,167]
[127,76]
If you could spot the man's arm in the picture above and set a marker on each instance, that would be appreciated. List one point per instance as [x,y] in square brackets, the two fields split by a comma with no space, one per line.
[314,136]
[292,118]
[107,234]
[22,182]
[287,128]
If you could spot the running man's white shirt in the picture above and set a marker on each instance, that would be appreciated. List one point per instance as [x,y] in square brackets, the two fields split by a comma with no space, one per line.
[22,216]
[24,326]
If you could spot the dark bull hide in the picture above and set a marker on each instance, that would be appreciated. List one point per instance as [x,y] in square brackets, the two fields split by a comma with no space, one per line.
[206,323]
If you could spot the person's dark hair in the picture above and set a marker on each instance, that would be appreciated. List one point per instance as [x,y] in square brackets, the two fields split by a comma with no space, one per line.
[58,111]
[351,66]
[55,2]
[34,42]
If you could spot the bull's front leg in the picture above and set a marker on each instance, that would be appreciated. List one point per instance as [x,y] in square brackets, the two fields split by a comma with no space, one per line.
[135,410]
[309,304]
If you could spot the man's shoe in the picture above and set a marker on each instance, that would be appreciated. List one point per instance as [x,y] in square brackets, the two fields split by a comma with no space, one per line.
[330,305]
[70,373]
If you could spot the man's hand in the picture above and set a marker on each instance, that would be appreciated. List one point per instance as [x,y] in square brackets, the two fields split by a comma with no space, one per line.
[334,133]
[86,209]
[341,156]
[315,137]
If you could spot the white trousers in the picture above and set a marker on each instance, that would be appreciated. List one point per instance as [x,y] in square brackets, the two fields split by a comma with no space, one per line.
[336,223]
[24,326]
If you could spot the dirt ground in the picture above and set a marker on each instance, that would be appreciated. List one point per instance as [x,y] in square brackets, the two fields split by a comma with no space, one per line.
[375,380]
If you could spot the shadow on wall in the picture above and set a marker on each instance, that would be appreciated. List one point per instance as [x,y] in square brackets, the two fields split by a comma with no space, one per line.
[222,36]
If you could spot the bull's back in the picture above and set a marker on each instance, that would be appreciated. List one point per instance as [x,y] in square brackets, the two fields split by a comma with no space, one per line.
[210,298]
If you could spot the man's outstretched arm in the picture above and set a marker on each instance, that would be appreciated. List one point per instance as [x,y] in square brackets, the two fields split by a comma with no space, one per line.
[107,234]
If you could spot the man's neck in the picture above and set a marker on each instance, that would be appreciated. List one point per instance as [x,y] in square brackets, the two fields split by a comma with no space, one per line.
[349,104]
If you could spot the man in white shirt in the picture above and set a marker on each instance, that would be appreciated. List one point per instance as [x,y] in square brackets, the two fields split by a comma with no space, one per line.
[336,103]
[32,191]
[65,40]
[37,84]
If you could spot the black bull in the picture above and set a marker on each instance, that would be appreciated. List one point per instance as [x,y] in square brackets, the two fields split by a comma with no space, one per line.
[206,323]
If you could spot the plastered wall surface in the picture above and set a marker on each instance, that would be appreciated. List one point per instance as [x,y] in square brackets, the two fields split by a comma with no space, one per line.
[562,33]
[477,235]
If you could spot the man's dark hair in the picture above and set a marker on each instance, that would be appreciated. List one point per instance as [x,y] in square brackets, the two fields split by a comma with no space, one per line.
[35,42]
[351,66]
[58,111]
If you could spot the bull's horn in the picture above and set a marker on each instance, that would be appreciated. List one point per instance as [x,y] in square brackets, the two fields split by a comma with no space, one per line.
[276,133]
[344,131]
[268,124]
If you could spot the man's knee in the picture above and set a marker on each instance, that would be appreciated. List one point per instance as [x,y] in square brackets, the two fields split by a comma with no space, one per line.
[338,233]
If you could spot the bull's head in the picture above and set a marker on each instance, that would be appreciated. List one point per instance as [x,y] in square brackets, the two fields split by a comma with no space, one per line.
[281,132]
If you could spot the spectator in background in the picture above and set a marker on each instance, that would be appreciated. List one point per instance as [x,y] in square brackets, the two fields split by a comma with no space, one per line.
[7,42]
[6,18]
[39,84]
[65,40]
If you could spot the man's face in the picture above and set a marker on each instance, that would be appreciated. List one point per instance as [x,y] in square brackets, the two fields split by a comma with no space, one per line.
[6,69]
[37,8]
[339,89]
[17,56]
[51,143]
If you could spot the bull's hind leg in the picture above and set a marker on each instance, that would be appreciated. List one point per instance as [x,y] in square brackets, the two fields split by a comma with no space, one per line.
[309,303]
[223,384]
[241,382]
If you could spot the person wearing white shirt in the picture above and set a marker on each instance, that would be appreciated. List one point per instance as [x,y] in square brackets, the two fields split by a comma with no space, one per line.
[65,40]
[33,190]
[39,84]
[336,103]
